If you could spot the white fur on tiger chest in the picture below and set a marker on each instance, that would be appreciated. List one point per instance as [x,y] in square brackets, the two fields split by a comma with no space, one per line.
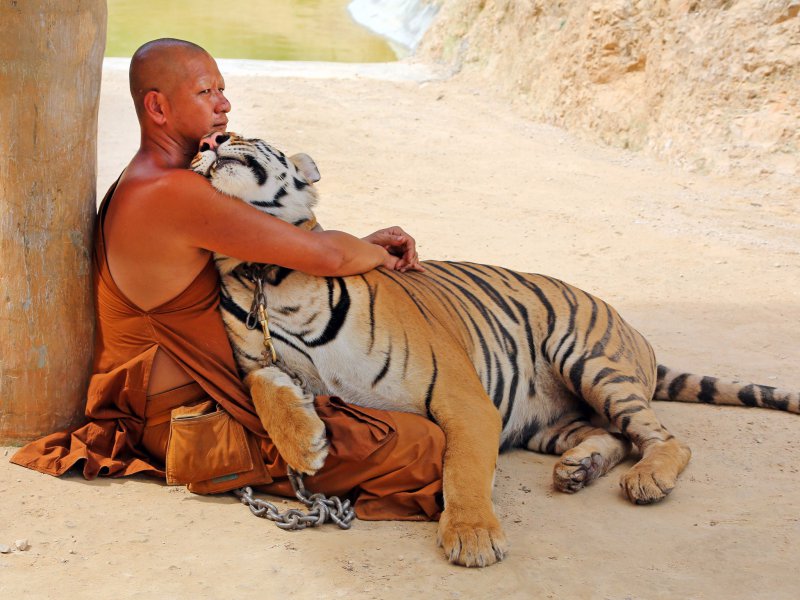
[299,312]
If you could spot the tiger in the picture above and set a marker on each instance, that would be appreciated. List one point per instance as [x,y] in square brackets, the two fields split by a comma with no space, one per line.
[499,359]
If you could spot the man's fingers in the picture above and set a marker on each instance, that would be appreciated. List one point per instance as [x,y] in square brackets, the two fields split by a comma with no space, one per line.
[400,245]
[390,262]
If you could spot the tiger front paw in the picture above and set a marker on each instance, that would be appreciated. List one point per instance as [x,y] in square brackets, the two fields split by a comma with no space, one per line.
[471,542]
[288,416]
[303,445]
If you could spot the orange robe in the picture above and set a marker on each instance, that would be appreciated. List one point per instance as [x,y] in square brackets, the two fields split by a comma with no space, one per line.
[390,462]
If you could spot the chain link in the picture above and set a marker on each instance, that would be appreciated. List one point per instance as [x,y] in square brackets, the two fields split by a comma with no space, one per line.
[258,311]
[321,509]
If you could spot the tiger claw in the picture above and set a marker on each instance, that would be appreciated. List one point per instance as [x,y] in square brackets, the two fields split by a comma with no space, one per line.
[472,544]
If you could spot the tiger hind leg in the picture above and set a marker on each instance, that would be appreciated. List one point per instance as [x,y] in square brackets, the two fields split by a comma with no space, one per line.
[587,452]
[624,403]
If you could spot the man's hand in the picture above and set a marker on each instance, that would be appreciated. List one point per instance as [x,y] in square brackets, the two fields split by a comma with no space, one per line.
[401,247]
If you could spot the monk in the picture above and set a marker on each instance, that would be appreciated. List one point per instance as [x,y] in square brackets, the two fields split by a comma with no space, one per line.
[160,343]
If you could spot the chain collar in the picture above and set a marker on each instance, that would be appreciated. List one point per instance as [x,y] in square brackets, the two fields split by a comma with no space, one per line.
[258,273]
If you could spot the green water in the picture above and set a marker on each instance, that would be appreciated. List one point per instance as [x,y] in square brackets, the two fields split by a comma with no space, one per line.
[314,30]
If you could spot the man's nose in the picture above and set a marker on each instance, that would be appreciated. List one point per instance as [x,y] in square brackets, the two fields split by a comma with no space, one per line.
[213,140]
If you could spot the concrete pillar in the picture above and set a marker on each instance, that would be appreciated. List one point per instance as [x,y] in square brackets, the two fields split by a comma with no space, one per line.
[51,54]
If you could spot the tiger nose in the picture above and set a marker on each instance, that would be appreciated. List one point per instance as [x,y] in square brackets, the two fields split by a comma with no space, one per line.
[213,140]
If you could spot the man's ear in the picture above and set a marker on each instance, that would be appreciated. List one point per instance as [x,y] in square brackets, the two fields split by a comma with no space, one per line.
[306,165]
[154,102]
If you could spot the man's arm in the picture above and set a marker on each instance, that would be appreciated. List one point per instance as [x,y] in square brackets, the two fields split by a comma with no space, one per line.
[201,217]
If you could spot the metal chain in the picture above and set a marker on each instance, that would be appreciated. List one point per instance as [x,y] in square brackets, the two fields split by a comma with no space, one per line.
[322,509]
[258,311]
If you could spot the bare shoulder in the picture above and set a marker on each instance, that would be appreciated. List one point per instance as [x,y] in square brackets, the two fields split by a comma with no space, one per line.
[154,189]
[164,200]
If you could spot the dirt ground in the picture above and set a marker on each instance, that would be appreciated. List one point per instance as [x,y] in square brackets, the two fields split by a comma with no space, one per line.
[708,269]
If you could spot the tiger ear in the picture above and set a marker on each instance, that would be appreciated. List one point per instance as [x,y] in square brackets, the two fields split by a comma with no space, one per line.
[306,165]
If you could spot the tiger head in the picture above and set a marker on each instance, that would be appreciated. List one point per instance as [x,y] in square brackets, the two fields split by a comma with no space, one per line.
[261,175]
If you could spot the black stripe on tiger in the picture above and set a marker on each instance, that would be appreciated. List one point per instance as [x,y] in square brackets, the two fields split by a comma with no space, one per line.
[457,306]
[276,336]
[607,404]
[239,351]
[266,204]
[708,389]
[500,332]
[339,312]
[551,313]
[768,396]
[661,373]
[512,394]
[528,331]
[256,168]
[429,393]
[387,363]
[406,354]
[390,275]
[592,319]
[262,146]
[479,306]
[521,437]
[564,432]
[490,319]
[514,363]
[571,301]
[630,410]
[373,293]
[276,276]
[602,374]
[487,289]
[493,378]
[599,347]
[238,275]
[497,394]
[487,355]
[676,386]
[747,396]
[626,421]
[228,305]
[500,272]
[576,377]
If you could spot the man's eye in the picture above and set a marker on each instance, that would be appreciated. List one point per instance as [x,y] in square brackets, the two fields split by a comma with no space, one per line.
[205,92]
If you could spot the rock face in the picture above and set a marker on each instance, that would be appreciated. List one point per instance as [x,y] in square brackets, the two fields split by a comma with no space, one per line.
[712,85]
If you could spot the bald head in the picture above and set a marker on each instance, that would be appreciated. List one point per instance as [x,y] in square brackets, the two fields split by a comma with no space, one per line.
[160,65]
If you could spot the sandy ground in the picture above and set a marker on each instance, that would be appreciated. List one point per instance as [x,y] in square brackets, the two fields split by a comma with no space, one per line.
[707,269]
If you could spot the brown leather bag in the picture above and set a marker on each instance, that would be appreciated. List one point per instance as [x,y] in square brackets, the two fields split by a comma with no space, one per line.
[212,452]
